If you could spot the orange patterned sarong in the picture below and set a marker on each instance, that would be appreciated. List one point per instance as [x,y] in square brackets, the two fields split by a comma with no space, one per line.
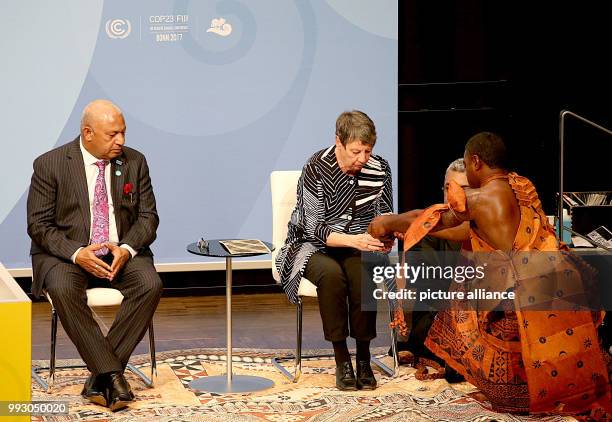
[547,360]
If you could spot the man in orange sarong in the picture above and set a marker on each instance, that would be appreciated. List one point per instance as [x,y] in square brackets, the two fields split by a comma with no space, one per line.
[532,353]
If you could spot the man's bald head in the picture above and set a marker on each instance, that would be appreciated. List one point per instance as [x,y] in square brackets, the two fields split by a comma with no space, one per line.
[99,110]
[103,129]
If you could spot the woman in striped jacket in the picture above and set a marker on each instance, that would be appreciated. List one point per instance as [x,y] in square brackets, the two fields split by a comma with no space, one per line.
[341,189]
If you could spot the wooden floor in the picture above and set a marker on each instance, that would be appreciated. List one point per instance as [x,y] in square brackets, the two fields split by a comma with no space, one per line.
[259,321]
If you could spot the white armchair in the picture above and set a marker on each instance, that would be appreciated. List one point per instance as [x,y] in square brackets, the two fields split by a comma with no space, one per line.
[97,296]
[283,185]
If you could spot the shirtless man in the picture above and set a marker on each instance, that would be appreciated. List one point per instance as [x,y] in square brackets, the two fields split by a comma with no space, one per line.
[519,359]
[492,207]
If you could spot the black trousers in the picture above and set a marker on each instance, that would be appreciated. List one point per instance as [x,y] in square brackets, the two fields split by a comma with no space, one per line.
[344,289]
[141,287]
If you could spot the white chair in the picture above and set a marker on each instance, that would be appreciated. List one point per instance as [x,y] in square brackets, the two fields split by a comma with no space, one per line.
[283,185]
[96,297]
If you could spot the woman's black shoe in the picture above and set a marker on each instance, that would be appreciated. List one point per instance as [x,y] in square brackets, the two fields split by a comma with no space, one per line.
[345,377]
[365,376]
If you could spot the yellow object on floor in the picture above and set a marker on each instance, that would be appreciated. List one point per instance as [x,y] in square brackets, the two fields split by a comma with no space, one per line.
[15,345]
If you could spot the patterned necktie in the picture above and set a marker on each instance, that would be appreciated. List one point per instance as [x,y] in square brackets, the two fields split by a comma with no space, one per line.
[99,229]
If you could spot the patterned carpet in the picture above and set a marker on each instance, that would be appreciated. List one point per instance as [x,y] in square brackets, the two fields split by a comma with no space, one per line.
[313,398]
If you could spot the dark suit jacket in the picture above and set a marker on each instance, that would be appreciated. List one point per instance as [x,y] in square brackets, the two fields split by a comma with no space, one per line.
[59,213]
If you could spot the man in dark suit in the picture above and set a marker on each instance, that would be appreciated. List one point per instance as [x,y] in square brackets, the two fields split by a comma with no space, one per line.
[91,217]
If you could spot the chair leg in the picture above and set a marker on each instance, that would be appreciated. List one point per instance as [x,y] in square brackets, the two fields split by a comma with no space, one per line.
[37,378]
[51,381]
[297,357]
[152,350]
[298,350]
[46,385]
[148,381]
[140,374]
[394,351]
[395,371]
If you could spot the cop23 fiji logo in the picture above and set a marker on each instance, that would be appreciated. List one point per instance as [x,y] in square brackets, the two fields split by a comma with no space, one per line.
[118,28]
[220,27]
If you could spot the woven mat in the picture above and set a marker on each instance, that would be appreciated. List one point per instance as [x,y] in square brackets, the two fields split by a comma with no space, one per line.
[313,398]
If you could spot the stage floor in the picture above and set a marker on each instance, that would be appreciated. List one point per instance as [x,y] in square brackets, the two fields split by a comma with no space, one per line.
[260,321]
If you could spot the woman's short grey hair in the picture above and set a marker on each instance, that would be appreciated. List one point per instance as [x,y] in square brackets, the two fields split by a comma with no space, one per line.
[458,165]
[355,125]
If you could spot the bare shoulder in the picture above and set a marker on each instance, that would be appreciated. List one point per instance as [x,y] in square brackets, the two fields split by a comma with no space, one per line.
[494,202]
[496,215]
[476,201]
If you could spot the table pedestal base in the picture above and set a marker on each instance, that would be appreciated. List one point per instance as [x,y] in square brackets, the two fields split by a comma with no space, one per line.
[238,384]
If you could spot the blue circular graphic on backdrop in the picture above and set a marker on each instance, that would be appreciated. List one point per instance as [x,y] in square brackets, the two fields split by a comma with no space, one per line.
[225,48]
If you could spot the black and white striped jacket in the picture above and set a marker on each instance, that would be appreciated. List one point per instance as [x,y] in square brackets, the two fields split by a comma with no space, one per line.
[329,200]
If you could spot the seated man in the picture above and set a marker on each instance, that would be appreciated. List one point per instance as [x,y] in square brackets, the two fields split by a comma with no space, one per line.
[91,217]
[431,247]
[341,189]
[521,359]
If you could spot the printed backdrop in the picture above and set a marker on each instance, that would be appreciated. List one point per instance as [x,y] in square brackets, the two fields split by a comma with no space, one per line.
[216,94]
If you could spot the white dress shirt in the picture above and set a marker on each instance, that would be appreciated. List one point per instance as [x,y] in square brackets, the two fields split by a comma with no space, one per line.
[91,173]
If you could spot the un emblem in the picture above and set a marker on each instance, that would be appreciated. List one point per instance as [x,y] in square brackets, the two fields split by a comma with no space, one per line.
[118,28]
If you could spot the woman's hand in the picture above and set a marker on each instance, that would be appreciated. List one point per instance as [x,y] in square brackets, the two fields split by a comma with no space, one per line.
[365,242]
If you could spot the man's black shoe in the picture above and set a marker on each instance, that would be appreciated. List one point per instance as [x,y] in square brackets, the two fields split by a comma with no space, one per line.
[94,390]
[452,376]
[345,377]
[400,346]
[119,392]
[365,376]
